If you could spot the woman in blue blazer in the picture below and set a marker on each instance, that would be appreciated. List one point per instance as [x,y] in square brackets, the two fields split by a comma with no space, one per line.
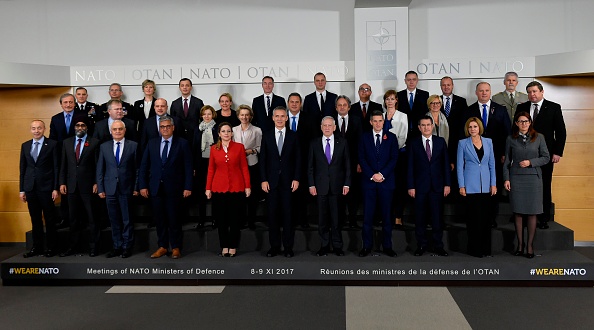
[476,178]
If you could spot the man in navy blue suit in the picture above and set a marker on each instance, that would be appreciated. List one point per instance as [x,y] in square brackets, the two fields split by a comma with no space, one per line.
[378,153]
[428,184]
[320,103]
[280,167]
[264,104]
[187,108]
[166,176]
[117,182]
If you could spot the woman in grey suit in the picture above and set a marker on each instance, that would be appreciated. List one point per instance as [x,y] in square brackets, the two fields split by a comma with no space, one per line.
[525,152]
[251,138]
[476,178]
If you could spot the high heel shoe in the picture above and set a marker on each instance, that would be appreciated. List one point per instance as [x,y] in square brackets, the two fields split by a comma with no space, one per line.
[519,252]
[530,255]
[232,254]
[398,223]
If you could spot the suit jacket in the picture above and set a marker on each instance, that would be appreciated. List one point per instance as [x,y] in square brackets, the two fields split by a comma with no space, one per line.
[310,105]
[102,130]
[43,174]
[280,170]
[476,176]
[90,115]
[228,171]
[424,175]
[357,111]
[516,152]
[353,134]
[457,117]
[329,178]
[189,123]
[503,99]
[58,127]
[111,175]
[79,176]
[150,131]
[385,162]
[261,118]
[102,113]
[418,110]
[498,125]
[549,123]
[251,138]
[176,174]
[307,129]
[138,113]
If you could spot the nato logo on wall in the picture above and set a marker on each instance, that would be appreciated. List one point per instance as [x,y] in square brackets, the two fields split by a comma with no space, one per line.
[381,50]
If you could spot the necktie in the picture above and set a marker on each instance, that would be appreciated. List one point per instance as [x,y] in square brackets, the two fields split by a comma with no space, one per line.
[77,151]
[447,107]
[535,112]
[411,100]
[321,102]
[118,153]
[81,107]
[377,143]
[511,99]
[364,110]
[428,149]
[268,104]
[484,115]
[35,151]
[280,142]
[186,108]
[164,153]
[327,152]
[343,126]
[294,124]
[68,120]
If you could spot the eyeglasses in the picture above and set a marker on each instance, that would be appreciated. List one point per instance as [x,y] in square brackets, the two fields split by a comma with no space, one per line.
[522,121]
[435,103]
[165,126]
[364,89]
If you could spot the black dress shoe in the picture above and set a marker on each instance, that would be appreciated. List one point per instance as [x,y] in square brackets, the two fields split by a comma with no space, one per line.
[272,252]
[339,252]
[114,253]
[214,224]
[354,226]
[305,225]
[518,253]
[493,224]
[50,253]
[32,253]
[389,252]
[440,252]
[420,251]
[529,255]
[67,253]
[543,225]
[289,253]
[252,226]
[364,252]
[199,225]
[93,253]
[126,253]
[323,251]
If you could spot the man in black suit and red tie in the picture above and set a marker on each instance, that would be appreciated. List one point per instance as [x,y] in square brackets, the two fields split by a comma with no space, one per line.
[78,183]
[280,167]
[329,177]
[86,108]
[320,103]
[38,186]
[187,109]
[548,121]
[264,104]
[413,102]
[428,184]
[364,107]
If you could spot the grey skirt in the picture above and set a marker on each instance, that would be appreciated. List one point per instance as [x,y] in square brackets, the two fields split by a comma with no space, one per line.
[525,195]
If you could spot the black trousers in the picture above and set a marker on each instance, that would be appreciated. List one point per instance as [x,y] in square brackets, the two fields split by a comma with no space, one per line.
[547,181]
[41,203]
[478,223]
[81,212]
[226,209]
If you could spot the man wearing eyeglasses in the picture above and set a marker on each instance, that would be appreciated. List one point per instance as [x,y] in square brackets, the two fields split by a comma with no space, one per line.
[116,112]
[115,93]
[166,177]
[365,107]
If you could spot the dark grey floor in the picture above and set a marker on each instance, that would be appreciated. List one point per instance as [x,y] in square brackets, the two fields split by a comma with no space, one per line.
[276,307]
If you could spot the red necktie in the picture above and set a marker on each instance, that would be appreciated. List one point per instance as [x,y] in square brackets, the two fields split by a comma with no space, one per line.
[77,151]
[364,111]
[185,107]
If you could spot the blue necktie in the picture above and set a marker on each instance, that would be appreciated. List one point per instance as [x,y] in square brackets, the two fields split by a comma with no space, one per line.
[377,143]
[118,153]
[164,153]
[67,123]
[268,104]
[294,124]
[328,151]
[447,107]
[485,115]
[35,151]
[411,101]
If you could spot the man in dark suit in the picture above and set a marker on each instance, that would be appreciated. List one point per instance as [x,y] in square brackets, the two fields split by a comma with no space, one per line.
[87,109]
[187,109]
[150,128]
[548,120]
[38,186]
[166,176]
[320,103]
[378,153]
[428,183]
[349,128]
[264,104]
[365,107]
[78,183]
[116,112]
[413,102]
[329,177]
[115,93]
[280,167]
[117,182]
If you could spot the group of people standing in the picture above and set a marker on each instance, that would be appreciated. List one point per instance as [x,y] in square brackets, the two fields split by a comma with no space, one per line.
[413,145]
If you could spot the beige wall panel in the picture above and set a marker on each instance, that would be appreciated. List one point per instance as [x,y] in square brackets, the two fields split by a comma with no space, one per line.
[580,221]
[13,226]
[570,92]
[579,125]
[578,160]
[9,197]
[573,192]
